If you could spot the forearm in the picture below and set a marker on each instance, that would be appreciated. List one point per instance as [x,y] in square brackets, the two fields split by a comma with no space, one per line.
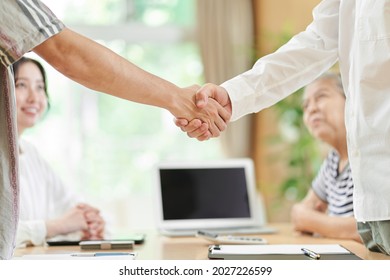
[100,69]
[54,228]
[332,226]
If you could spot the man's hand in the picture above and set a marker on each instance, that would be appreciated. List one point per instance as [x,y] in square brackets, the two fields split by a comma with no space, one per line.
[206,96]
[215,92]
[209,115]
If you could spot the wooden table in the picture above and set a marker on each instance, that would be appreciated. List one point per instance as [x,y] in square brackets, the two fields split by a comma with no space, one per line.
[158,247]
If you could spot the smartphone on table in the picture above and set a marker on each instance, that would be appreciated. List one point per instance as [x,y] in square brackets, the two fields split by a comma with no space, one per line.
[137,238]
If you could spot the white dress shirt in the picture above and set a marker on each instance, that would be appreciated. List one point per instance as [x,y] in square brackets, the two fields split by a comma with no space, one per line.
[357,34]
[42,196]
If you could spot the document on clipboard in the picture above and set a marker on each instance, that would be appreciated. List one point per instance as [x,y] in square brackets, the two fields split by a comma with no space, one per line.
[281,252]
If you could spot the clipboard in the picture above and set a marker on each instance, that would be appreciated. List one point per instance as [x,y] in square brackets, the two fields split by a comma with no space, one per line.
[280,252]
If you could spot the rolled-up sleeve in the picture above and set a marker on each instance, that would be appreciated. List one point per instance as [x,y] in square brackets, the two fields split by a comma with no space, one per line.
[24,25]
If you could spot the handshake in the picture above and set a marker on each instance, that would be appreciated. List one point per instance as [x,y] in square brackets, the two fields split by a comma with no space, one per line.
[210,115]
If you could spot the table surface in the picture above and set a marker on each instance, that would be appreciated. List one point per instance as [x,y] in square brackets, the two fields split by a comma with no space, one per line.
[158,247]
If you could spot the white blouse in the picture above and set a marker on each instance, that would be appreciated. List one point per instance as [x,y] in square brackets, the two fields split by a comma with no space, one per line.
[42,196]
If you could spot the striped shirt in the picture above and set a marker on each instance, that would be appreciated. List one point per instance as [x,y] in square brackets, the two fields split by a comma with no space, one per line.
[335,188]
[24,24]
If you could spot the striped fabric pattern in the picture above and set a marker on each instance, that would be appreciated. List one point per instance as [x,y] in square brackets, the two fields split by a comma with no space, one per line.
[335,188]
[40,17]
[9,187]
[24,24]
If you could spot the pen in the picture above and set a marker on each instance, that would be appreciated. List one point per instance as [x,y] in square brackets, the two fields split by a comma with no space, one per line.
[311,254]
[101,254]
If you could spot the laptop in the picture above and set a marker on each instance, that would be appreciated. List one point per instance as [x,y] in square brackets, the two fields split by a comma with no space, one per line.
[214,195]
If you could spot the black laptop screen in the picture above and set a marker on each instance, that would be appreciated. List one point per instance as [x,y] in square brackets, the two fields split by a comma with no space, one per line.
[210,193]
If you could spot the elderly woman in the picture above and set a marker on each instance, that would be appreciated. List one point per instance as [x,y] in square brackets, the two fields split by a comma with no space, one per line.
[327,209]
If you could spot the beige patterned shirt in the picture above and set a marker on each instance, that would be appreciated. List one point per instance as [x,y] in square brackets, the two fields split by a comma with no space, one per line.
[24,24]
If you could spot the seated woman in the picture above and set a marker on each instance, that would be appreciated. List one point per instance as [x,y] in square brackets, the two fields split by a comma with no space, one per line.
[47,208]
[327,209]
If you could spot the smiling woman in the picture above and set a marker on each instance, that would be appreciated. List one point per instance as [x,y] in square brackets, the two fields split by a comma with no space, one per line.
[107,148]
[32,97]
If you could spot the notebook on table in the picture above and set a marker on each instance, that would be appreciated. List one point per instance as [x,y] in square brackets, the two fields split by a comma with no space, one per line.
[214,195]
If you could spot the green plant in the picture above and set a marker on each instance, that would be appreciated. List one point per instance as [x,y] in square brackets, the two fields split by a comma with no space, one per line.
[303,153]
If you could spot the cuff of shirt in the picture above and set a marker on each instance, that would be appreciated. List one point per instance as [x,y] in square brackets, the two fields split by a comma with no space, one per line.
[241,97]
[32,232]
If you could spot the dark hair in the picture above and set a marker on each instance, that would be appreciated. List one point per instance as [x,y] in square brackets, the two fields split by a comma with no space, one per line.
[25,60]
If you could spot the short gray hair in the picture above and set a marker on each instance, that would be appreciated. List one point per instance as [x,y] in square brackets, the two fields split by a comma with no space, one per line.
[335,77]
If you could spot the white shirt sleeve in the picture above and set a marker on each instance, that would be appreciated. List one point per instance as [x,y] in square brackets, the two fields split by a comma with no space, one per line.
[31,232]
[305,57]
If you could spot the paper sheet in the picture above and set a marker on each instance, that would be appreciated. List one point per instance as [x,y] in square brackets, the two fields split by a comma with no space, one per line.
[281,249]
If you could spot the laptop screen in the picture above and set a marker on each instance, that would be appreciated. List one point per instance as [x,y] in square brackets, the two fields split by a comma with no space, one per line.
[217,195]
[204,193]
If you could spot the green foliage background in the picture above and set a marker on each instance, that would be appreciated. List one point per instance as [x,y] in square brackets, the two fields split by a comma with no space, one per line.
[304,156]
